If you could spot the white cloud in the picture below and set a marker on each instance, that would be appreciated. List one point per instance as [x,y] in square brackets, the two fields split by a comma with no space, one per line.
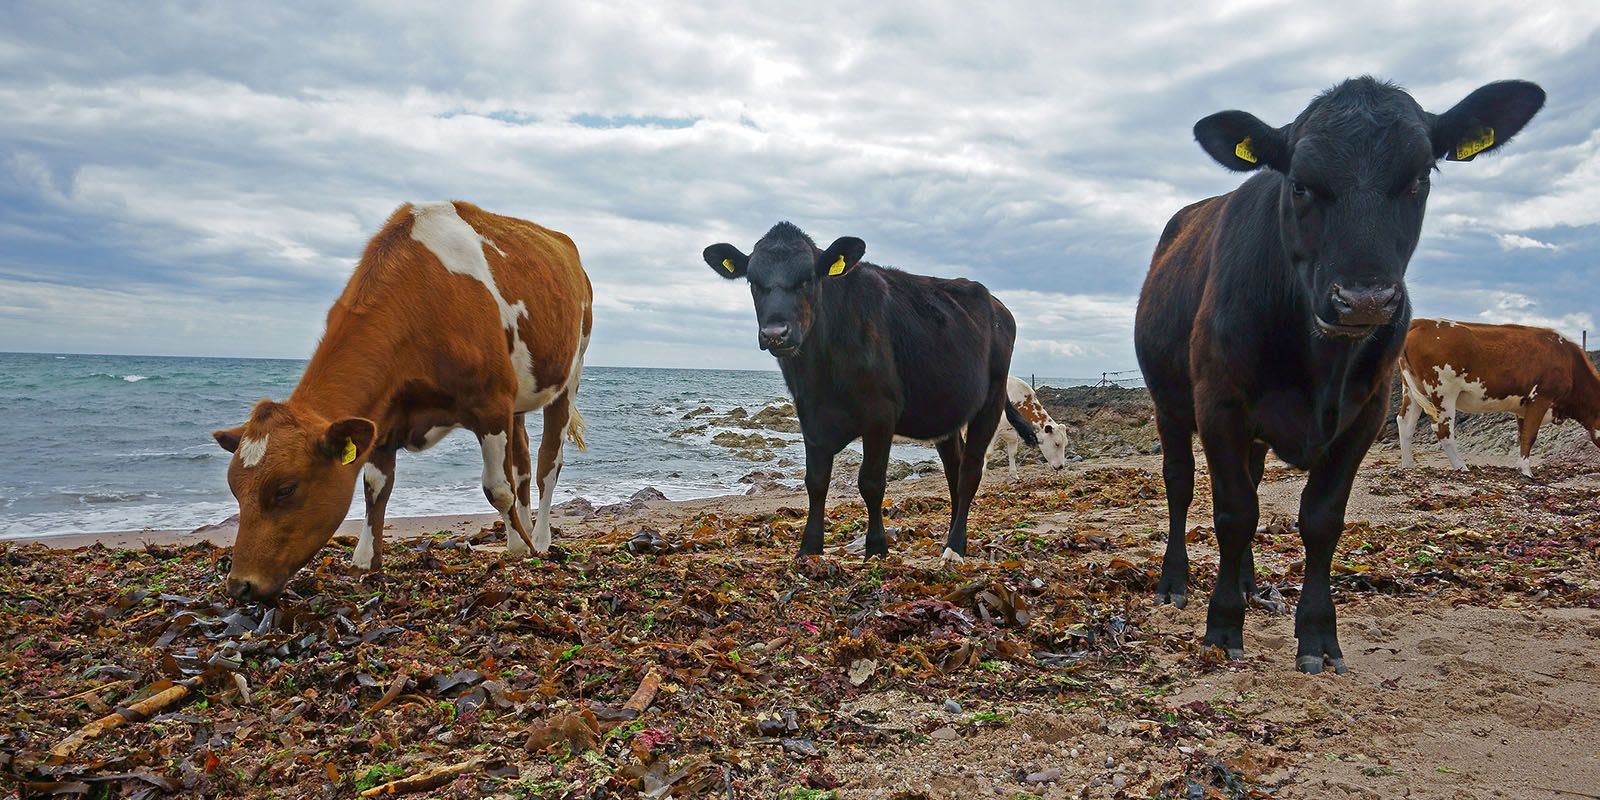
[192,160]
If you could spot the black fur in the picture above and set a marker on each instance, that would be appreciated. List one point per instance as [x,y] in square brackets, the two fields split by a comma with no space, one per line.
[1021,425]
[872,353]
[1273,315]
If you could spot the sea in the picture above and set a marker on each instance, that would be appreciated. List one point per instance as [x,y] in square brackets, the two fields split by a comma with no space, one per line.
[92,443]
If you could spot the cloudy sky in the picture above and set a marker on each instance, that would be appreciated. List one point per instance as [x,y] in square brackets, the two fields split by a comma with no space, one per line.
[198,179]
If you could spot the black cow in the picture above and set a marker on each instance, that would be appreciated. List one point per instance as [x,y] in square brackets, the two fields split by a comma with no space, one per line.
[870,352]
[1273,316]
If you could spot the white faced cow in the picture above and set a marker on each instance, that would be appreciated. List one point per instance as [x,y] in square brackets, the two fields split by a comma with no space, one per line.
[454,318]
[1049,435]
[1534,373]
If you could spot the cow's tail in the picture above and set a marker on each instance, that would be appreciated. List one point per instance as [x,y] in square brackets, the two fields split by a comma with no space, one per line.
[1417,395]
[576,425]
[1023,427]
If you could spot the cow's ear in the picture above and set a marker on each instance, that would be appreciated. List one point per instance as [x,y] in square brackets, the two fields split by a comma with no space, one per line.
[840,257]
[228,438]
[726,260]
[1486,119]
[347,440]
[1241,142]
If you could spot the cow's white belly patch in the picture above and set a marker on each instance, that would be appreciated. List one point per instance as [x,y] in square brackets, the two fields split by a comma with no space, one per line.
[1471,395]
[460,249]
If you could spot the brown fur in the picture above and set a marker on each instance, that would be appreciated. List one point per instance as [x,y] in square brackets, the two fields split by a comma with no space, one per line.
[1510,361]
[411,346]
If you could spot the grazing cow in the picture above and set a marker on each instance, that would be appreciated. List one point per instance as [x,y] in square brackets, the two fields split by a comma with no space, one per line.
[869,353]
[454,317]
[1470,367]
[1273,315]
[1042,431]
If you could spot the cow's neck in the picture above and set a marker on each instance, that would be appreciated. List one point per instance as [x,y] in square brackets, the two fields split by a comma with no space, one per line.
[351,372]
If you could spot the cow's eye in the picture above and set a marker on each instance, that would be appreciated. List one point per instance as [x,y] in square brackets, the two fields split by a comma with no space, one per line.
[1301,191]
[284,492]
[1418,182]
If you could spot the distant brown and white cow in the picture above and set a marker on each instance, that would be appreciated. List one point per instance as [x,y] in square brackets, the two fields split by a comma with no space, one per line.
[1047,434]
[1470,367]
[454,318]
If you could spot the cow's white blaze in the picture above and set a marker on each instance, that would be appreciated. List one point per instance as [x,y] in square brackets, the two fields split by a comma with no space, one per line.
[375,479]
[459,248]
[362,557]
[252,450]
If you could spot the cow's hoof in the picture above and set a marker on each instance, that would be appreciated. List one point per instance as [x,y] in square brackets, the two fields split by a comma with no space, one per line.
[1177,600]
[1235,653]
[952,557]
[1313,665]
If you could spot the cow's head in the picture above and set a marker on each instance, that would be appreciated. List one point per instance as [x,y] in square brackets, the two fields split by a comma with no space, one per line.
[786,272]
[293,473]
[1053,443]
[1354,172]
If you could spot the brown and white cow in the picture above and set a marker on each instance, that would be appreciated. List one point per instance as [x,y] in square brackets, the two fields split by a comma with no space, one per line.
[1470,367]
[1049,435]
[454,318]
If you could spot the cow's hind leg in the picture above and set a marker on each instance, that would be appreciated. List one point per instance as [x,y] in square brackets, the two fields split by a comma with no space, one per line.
[1177,472]
[377,481]
[872,481]
[1528,422]
[551,458]
[979,431]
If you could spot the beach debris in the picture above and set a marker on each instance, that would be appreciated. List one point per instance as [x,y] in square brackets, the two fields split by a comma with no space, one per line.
[426,780]
[138,712]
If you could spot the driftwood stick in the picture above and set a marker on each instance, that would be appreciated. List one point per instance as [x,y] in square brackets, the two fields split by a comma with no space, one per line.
[104,687]
[396,686]
[423,781]
[141,710]
[646,693]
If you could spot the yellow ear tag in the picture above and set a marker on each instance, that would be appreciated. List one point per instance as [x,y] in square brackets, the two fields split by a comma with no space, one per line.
[727,264]
[837,268]
[1243,151]
[349,453]
[1471,147]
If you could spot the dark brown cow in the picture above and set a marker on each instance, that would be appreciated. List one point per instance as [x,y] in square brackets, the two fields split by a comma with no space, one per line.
[1273,315]
[1472,368]
[454,317]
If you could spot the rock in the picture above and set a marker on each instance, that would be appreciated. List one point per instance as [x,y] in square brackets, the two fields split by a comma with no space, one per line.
[699,412]
[952,707]
[229,526]
[689,431]
[736,413]
[861,671]
[898,470]
[576,507]
[1118,781]
[779,418]
[647,494]
[1044,776]
[746,441]
[945,734]
[752,455]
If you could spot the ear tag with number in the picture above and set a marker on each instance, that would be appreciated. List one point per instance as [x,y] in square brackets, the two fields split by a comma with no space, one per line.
[727,264]
[349,454]
[1483,140]
[1243,151]
[837,268]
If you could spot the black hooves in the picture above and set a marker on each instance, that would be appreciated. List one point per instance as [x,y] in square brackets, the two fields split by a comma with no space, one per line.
[1313,665]
[1176,599]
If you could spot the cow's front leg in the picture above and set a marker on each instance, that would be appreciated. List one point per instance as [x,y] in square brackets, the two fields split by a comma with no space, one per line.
[1233,496]
[377,481]
[873,480]
[819,471]
[1322,507]
[500,479]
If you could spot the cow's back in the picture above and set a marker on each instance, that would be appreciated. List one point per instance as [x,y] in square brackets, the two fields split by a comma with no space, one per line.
[938,328]
[1172,293]
[485,300]
[1498,361]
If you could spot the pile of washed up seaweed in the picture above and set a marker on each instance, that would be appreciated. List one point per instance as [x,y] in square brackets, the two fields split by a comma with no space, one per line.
[699,659]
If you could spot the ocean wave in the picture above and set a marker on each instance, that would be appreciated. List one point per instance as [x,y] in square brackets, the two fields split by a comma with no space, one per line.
[128,378]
